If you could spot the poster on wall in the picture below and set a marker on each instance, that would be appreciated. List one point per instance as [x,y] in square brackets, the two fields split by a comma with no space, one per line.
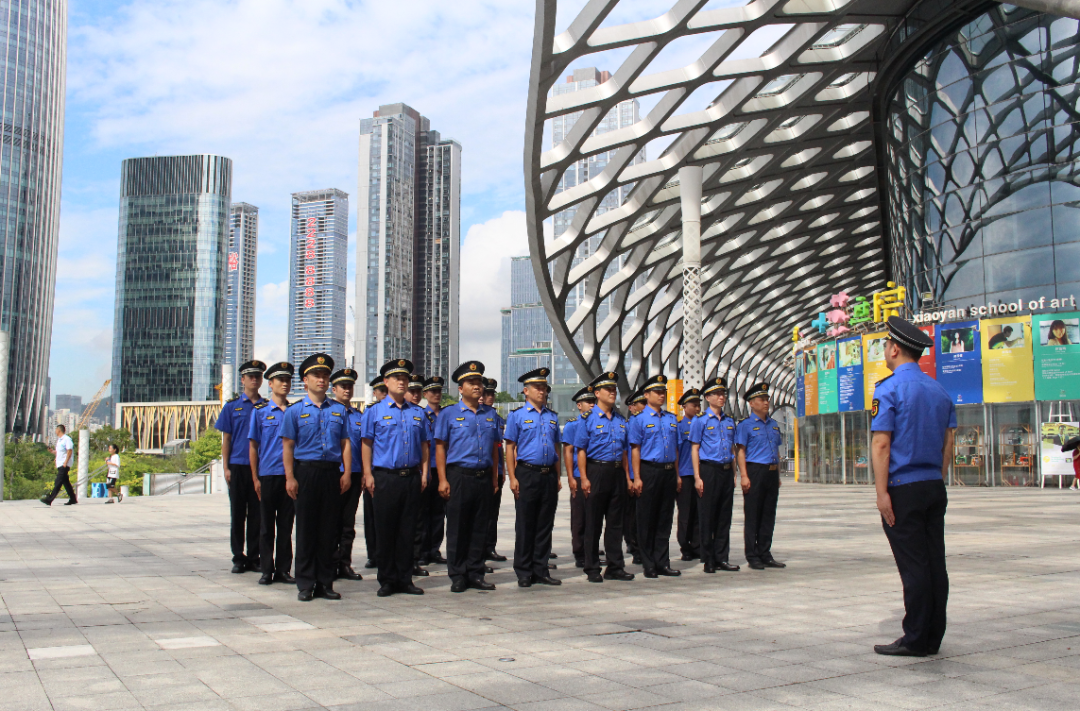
[810,381]
[826,378]
[959,365]
[674,393]
[800,386]
[874,368]
[1006,359]
[850,374]
[1056,342]
[1052,435]
[927,363]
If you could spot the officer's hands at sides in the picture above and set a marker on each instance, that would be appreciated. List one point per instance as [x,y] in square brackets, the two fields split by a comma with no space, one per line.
[368,482]
[637,486]
[292,488]
[444,489]
[228,474]
[884,505]
[346,482]
[258,490]
[745,484]
[699,485]
[573,487]
[678,484]
[586,487]
[515,487]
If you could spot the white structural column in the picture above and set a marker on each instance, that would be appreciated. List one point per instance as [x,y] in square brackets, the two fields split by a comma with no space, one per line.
[83,480]
[5,351]
[693,348]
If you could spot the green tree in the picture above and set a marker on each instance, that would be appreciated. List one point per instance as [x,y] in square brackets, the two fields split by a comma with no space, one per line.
[100,440]
[447,400]
[204,450]
[507,397]
[29,468]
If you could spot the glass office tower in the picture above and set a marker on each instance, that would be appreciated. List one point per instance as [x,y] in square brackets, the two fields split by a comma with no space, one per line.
[169,331]
[240,282]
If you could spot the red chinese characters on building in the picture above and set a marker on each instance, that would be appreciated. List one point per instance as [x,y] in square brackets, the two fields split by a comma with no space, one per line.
[234,261]
[309,269]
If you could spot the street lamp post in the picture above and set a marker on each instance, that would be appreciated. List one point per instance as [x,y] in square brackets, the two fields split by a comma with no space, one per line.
[693,346]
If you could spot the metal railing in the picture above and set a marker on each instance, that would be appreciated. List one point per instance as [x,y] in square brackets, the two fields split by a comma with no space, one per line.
[202,472]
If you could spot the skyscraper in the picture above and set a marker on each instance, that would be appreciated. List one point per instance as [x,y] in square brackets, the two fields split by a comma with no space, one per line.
[527,333]
[34,45]
[317,273]
[169,332]
[240,285]
[407,253]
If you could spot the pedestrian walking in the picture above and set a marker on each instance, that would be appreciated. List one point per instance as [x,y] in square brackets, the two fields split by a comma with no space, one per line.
[757,440]
[654,441]
[712,438]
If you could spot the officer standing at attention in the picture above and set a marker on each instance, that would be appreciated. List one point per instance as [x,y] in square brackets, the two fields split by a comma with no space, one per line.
[378,392]
[342,386]
[467,453]
[712,438]
[276,509]
[913,424]
[635,403]
[432,507]
[491,386]
[414,395]
[233,424]
[416,387]
[584,399]
[600,448]
[395,456]
[687,532]
[314,445]
[654,440]
[535,471]
[757,440]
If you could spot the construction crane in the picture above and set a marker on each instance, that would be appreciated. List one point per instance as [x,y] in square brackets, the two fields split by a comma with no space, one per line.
[88,411]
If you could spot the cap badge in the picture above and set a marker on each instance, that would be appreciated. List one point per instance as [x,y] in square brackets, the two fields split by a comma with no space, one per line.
[401,363]
[659,378]
[320,360]
[472,366]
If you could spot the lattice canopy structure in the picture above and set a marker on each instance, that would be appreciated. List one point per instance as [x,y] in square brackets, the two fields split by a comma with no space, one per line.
[777,109]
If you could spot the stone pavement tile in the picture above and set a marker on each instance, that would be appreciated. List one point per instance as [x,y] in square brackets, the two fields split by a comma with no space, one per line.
[86,680]
[22,687]
[845,665]
[605,665]
[289,701]
[170,688]
[643,678]
[447,669]
[625,700]
[695,670]
[567,704]
[687,690]
[547,673]
[503,688]
[802,696]
[744,681]
[96,702]
[346,693]
[585,684]
[415,687]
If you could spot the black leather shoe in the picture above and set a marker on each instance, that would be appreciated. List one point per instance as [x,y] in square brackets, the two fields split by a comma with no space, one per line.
[579,563]
[553,555]
[524,583]
[552,566]
[385,591]
[71,502]
[488,570]
[596,578]
[370,564]
[932,652]
[618,575]
[756,565]
[669,572]
[283,578]
[346,572]
[410,589]
[897,650]
[419,572]
[239,568]
[327,593]
[710,568]
[492,555]
[437,558]
[689,556]
[548,580]
[728,567]
[459,586]
[305,595]
[648,574]
[636,560]
[254,566]
[266,579]
[774,564]
[481,585]
[45,500]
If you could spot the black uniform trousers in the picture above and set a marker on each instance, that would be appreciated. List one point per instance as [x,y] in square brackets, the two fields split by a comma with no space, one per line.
[277,511]
[538,497]
[687,532]
[64,481]
[350,502]
[467,519]
[605,504]
[318,522]
[397,493]
[577,522]
[493,518]
[430,521]
[629,522]
[714,510]
[244,506]
[369,527]
[918,545]
[759,510]
[656,509]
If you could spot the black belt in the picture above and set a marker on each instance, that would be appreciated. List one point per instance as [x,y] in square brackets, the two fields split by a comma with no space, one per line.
[536,468]
[470,472]
[712,463]
[658,465]
[602,463]
[318,464]
[395,472]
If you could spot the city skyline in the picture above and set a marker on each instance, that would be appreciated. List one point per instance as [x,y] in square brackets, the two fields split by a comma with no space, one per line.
[240,282]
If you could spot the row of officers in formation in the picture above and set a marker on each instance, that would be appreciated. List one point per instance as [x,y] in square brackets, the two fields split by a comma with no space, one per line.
[424,469]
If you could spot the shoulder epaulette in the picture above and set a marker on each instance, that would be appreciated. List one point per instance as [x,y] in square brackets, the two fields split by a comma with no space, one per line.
[430,415]
[297,402]
[884,379]
[572,419]
[262,404]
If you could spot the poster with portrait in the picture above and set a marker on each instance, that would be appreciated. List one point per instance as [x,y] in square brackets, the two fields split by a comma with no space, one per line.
[874,368]
[826,378]
[1051,436]
[928,363]
[959,361]
[850,374]
[1006,359]
[1056,344]
[810,380]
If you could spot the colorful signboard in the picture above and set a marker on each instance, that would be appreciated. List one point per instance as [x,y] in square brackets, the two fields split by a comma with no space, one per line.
[1056,344]
[810,366]
[826,381]
[674,394]
[1052,436]
[850,374]
[874,368]
[927,363]
[800,386]
[959,362]
[1006,359]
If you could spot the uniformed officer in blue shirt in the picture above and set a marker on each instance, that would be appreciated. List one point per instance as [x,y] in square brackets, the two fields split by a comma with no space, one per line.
[687,501]
[491,387]
[758,440]
[276,508]
[315,443]
[654,440]
[378,392]
[414,394]
[432,507]
[342,387]
[395,455]
[600,443]
[531,442]
[243,502]
[635,403]
[584,400]
[913,424]
[467,438]
[712,449]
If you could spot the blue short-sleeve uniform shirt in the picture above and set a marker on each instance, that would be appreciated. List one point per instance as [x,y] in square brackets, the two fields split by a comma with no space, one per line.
[762,439]
[918,411]
[686,463]
[715,437]
[264,430]
[469,436]
[397,434]
[316,429]
[235,419]
[536,434]
[568,438]
[431,417]
[657,433]
[603,437]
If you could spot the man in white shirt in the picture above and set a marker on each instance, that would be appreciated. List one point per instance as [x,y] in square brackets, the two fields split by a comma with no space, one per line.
[65,448]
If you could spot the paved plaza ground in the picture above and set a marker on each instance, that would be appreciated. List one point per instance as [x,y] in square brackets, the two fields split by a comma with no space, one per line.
[133,606]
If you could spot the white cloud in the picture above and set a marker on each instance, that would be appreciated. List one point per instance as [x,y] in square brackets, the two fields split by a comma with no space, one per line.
[272,322]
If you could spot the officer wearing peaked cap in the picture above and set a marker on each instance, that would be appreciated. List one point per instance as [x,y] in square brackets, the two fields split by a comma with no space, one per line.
[635,403]
[378,392]
[432,516]
[654,439]
[913,425]
[491,387]
[243,501]
[687,501]
[712,439]
[584,400]
[415,388]
[757,440]
[342,387]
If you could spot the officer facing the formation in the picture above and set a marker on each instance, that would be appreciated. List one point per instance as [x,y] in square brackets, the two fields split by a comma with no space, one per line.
[395,457]
[913,424]
[533,467]
[378,392]
[276,508]
[712,438]
[600,443]
[243,501]
[757,440]
[584,400]
[687,531]
[467,439]
[342,385]
[635,403]
[491,386]
[432,516]
[654,439]
[315,445]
